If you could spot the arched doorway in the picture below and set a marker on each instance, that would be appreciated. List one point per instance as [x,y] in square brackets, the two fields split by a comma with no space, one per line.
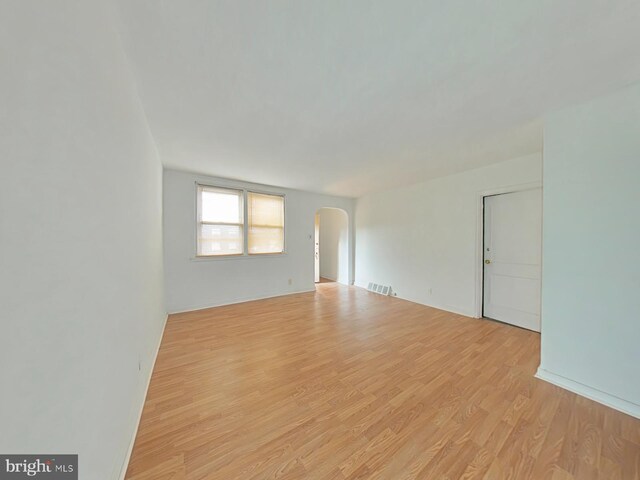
[332,246]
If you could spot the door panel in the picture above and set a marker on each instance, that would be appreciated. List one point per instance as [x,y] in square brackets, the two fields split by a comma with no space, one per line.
[513,258]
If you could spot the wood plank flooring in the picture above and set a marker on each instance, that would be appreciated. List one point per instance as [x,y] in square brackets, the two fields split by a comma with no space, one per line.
[347,384]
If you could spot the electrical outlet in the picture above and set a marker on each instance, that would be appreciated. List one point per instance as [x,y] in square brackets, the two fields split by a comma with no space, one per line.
[290,281]
[430,291]
[139,364]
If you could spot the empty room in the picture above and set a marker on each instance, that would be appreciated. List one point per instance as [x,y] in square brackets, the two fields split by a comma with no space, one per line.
[284,239]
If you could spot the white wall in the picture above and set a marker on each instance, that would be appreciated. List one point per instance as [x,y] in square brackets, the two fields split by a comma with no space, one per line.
[591,274]
[193,283]
[80,237]
[334,244]
[423,239]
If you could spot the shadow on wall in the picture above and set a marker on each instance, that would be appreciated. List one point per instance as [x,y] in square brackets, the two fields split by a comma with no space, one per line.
[334,244]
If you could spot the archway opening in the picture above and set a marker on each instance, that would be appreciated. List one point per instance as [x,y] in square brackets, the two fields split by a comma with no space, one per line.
[331,246]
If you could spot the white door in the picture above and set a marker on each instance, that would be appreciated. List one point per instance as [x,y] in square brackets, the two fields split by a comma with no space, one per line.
[513,258]
[317,250]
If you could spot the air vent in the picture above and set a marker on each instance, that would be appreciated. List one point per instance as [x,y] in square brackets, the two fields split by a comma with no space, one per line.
[378,288]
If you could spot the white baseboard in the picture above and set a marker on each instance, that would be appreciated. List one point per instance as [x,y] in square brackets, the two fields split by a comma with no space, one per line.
[336,280]
[333,279]
[125,465]
[594,394]
[445,308]
[193,308]
[457,311]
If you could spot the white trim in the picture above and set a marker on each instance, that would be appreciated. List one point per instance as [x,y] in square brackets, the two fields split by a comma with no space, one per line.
[446,308]
[331,278]
[480,232]
[334,280]
[351,245]
[244,200]
[125,465]
[591,393]
[193,308]
[238,256]
[247,192]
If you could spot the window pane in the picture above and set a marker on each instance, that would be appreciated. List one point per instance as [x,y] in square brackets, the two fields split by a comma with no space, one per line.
[266,210]
[220,240]
[220,206]
[266,240]
[266,223]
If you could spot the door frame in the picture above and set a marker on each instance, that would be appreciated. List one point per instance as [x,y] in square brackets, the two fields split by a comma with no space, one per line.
[316,248]
[349,228]
[479,270]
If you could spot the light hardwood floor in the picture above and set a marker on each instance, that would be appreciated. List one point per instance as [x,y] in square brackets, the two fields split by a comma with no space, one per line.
[343,383]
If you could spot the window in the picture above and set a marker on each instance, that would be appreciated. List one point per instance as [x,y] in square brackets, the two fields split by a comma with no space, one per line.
[220,221]
[224,223]
[266,223]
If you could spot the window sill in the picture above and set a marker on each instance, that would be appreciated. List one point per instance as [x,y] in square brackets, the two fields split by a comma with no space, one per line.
[219,258]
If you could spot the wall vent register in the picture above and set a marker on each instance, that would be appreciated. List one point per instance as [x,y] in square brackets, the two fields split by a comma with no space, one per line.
[378,288]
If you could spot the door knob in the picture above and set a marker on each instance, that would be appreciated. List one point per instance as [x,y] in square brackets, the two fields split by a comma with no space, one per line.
[487,262]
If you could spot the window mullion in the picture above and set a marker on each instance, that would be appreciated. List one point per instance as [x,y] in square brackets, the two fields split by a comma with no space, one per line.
[245,213]
[269,228]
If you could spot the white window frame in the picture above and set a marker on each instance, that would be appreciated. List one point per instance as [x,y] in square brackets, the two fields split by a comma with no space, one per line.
[245,226]
[284,222]
[201,187]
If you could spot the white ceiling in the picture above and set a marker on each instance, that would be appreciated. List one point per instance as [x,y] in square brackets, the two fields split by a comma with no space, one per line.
[349,97]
